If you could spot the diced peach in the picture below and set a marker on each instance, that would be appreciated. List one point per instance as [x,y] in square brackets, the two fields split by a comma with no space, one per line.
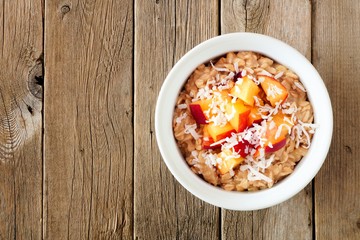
[220,132]
[254,116]
[260,96]
[206,144]
[277,142]
[224,94]
[240,115]
[198,113]
[275,146]
[208,140]
[274,90]
[279,119]
[198,108]
[228,163]
[245,89]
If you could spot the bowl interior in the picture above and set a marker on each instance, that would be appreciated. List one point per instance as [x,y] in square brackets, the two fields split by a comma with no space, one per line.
[279,52]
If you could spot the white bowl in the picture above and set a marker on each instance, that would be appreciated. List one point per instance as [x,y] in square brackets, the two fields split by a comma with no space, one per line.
[282,53]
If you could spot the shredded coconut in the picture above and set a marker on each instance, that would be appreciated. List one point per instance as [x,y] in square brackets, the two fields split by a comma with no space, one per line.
[278,132]
[289,110]
[279,75]
[249,70]
[203,93]
[266,73]
[231,115]
[191,129]
[182,106]
[230,142]
[181,117]
[195,154]
[259,80]
[219,69]
[211,159]
[268,109]
[300,86]
[236,67]
[239,81]
[299,131]
[272,125]
[243,73]
[254,174]
[273,90]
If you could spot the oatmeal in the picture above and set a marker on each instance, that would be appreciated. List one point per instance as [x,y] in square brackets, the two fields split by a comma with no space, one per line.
[243,121]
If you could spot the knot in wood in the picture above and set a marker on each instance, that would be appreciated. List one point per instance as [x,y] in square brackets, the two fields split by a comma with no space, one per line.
[65,9]
[36,80]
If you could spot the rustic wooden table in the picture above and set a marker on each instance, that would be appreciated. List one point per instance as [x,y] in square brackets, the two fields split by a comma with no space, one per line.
[78,85]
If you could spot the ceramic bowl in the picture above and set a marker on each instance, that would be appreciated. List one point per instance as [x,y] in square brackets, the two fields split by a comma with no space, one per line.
[282,53]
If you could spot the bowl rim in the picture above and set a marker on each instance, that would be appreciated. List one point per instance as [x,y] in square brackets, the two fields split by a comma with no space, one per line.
[305,170]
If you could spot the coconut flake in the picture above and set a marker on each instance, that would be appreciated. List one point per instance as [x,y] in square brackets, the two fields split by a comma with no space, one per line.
[230,76]
[298,132]
[218,142]
[191,129]
[273,90]
[219,69]
[230,142]
[279,75]
[266,73]
[195,154]
[231,115]
[203,93]
[278,132]
[237,89]
[180,118]
[234,98]
[272,125]
[182,106]
[300,86]
[259,80]
[239,81]
[236,67]
[256,175]
[289,110]
[249,70]
[210,159]
[243,73]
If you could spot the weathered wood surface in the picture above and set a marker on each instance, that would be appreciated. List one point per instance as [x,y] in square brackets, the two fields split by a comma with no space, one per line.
[21,167]
[164,31]
[88,143]
[279,19]
[81,161]
[336,38]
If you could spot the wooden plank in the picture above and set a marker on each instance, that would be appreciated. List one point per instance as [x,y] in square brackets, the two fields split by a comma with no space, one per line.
[164,31]
[293,218]
[336,56]
[88,120]
[21,119]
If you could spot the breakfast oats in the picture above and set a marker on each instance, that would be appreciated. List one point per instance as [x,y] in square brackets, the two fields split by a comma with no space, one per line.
[243,121]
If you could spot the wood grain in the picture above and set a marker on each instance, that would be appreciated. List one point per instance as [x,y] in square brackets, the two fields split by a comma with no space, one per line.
[164,31]
[20,119]
[336,38]
[88,145]
[77,163]
[279,19]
